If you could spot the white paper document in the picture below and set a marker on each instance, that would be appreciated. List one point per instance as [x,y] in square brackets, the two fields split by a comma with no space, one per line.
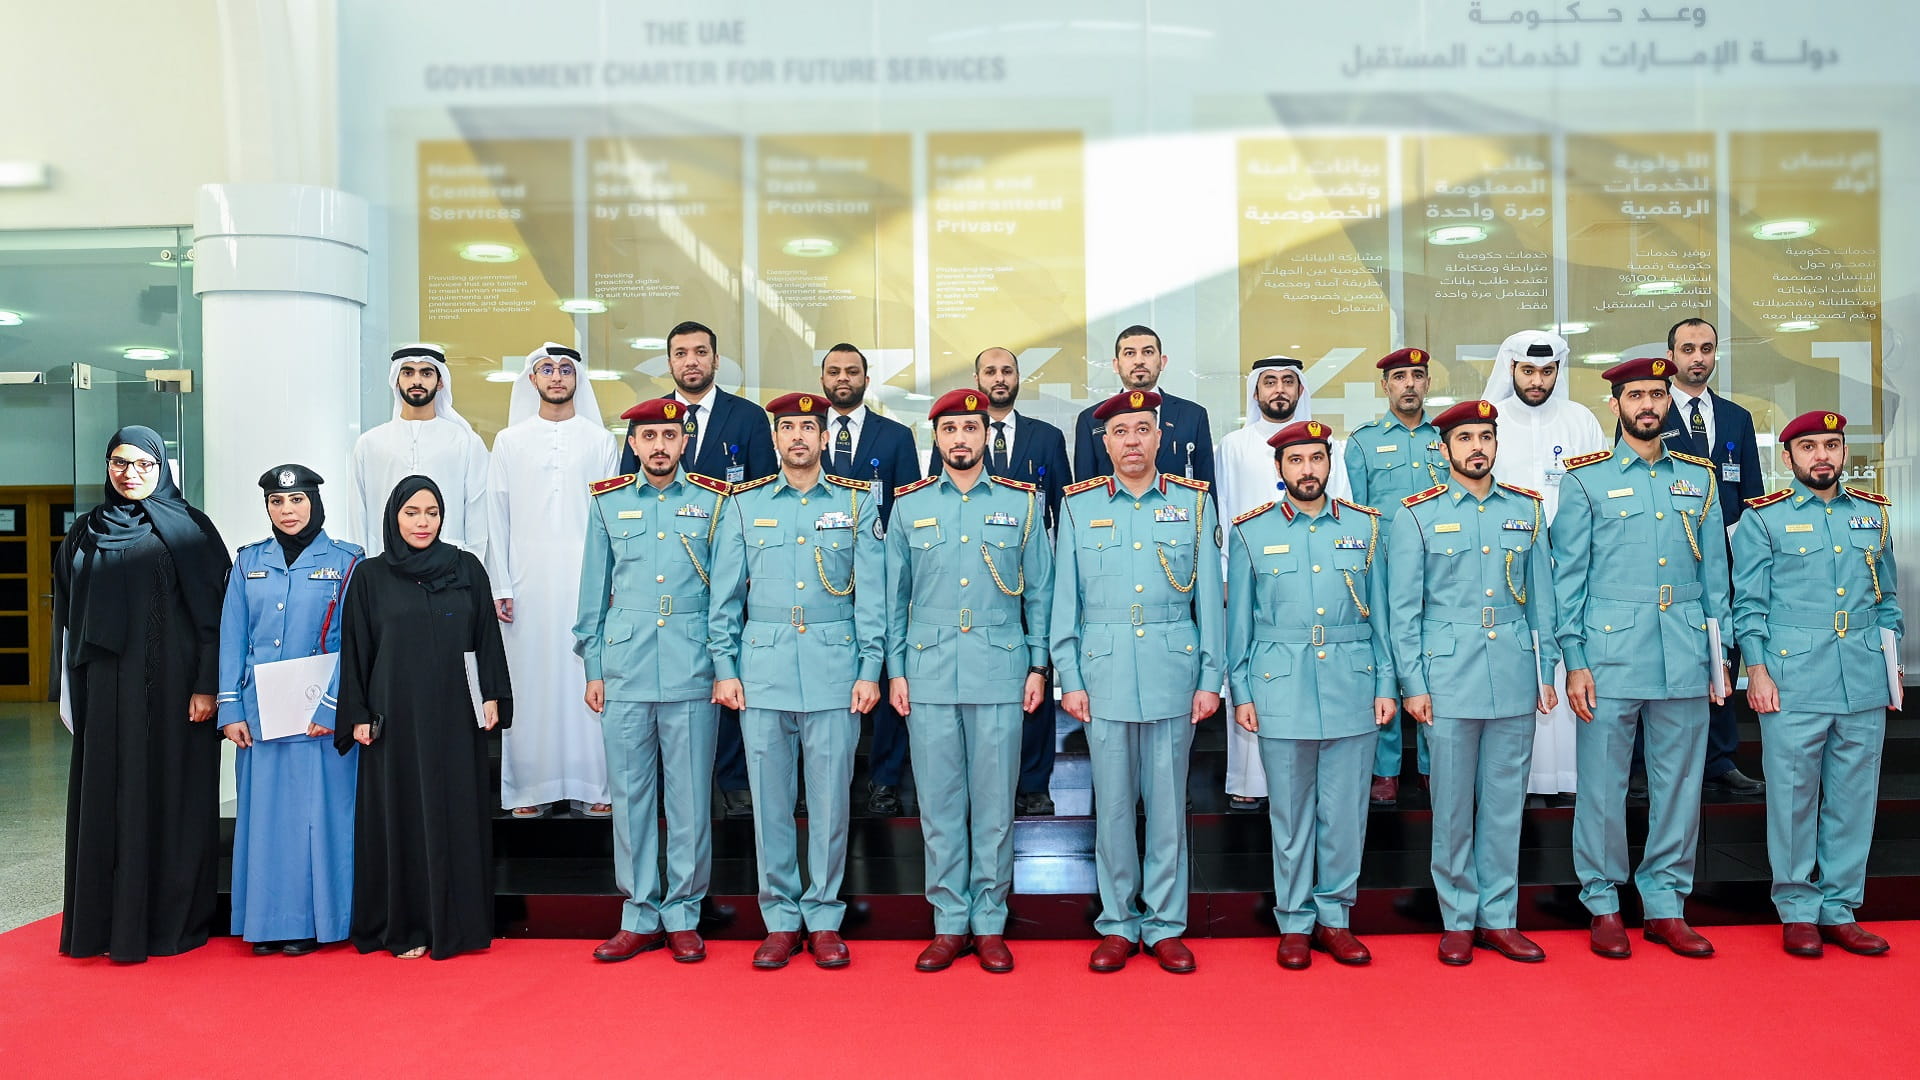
[288,692]
[473,688]
[1896,686]
[1717,661]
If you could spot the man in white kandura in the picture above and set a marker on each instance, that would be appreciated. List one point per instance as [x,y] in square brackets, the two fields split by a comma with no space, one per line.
[555,444]
[1277,395]
[1541,428]
[426,437]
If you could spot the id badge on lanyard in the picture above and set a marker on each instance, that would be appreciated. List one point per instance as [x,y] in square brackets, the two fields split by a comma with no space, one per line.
[1730,469]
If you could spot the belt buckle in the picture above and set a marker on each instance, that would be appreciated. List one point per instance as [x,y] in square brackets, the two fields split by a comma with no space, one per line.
[1666,597]
[797,618]
[1840,623]
[666,605]
[1137,615]
[1486,617]
[966,619]
[1319,635]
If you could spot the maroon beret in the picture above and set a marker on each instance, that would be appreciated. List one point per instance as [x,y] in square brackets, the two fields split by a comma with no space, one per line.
[1466,412]
[1403,358]
[958,402]
[1813,423]
[1126,401]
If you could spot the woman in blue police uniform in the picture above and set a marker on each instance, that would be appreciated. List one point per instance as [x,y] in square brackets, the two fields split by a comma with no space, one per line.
[293,834]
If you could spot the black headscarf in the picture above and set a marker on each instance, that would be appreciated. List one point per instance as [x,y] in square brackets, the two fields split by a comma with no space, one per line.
[307,482]
[101,580]
[434,567]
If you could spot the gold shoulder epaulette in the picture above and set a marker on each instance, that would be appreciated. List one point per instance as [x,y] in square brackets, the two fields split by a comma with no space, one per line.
[708,482]
[915,486]
[1357,506]
[1768,499]
[1017,485]
[1691,459]
[857,485]
[611,483]
[1419,497]
[1197,485]
[1588,459]
[1870,496]
[1528,492]
[1255,512]
[749,485]
[1085,485]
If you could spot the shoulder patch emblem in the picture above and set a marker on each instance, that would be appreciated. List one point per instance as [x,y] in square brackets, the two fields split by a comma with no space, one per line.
[1768,499]
[612,483]
[857,485]
[1870,496]
[1197,485]
[1357,506]
[1528,492]
[1088,485]
[708,482]
[1017,485]
[749,485]
[1691,459]
[1255,512]
[1419,497]
[1588,459]
[915,486]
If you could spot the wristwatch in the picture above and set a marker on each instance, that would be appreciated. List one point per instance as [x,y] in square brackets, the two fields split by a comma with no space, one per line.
[1040,671]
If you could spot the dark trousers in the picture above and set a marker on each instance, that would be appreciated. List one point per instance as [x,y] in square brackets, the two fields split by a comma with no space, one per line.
[887,755]
[1037,744]
[730,754]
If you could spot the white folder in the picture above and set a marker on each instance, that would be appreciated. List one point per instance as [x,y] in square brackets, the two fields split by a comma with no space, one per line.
[473,688]
[289,691]
[1896,686]
[1716,661]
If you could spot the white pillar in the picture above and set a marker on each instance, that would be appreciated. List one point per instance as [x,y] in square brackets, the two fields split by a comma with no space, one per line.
[281,273]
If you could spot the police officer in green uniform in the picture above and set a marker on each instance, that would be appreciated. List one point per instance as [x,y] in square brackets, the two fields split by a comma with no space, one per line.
[1312,672]
[1138,645]
[1472,617]
[797,632]
[1387,460]
[642,631]
[1816,611]
[969,589]
[1641,585]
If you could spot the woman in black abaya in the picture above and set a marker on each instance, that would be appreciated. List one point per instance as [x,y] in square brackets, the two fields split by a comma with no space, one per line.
[423,873]
[137,587]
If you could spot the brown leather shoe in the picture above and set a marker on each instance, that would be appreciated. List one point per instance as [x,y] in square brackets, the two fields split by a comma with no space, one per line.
[686,946]
[1173,955]
[1339,943]
[828,950]
[1855,940]
[780,947]
[1801,939]
[992,951]
[940,954]
[1456,948]
[627,944]
[1509,943]
[1675,934]
[1111,954]
[1608,937]
[1386,791]
[1296,952]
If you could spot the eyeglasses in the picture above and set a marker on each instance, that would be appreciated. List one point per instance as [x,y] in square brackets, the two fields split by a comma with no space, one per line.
[548,371]
[139,468]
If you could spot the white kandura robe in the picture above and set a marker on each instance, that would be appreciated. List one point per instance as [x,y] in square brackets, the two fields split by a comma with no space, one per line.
[537,505]
[1535,444]
[447,452]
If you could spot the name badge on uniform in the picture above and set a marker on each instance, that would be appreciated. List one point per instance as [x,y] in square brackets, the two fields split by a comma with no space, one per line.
[325,573]
[1450,526]
[1100,523]
[1619,493]
[628,514]
[1350,543]
[1171,513]
[1863,523]
[256,573]
[1517,525]
[1001,517]
[692,511]
[766,523]
[1730,472]
[1803,526]
[1385,449]
[1277,549]
[1685,487]
[921,523]
[834,519]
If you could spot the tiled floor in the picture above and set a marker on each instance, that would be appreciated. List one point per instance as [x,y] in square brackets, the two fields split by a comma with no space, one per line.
[34,749]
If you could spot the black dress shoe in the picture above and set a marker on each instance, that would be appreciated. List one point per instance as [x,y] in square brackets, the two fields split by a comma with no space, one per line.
[1033,804]
[1637,786]
[1735,782]
[268,948]
[301,947]
[1246,804]
[738,804]
[883,800]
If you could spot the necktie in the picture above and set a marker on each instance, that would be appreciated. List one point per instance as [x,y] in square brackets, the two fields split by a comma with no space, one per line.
[843,449]
[1699,426]
[693,432]
[1000,448]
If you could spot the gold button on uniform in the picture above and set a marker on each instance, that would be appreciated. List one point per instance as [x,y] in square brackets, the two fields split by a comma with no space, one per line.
[1623,513]
[1658,514]
[799,584]
[1136,543]
[659,622]
[1491,634]
[1313,528]
[1139,588]
[1489,592]
[1836,549]
[1483,509]
[964,540]
[1840,591]
[1484,550]
[1319,611]
[803,501]
[1322,654]
[800,540]
[966,498]
[659,536]
[1316,569]
[1663,560]
[659,577]
[1607,628]
[1139,633]
[663,498]
[963,581]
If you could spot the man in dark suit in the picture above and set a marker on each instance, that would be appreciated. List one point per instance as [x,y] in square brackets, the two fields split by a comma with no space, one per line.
[1706,425]
[1186,439]
[863,445]
[1024,448]
[727,438]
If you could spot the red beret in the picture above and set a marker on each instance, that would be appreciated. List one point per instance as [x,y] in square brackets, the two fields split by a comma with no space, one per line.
[1403,358]
[657,411]
[1647,367]
[955,402]
[1126,401]
[1302,431]
[814,405]
[1813,423]
[1466,412]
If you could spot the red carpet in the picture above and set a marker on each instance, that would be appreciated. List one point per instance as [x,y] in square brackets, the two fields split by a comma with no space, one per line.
[544,1009]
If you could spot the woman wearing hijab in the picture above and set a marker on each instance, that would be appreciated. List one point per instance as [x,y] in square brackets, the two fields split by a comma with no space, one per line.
[423,874]
[136,600]
[293,833]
